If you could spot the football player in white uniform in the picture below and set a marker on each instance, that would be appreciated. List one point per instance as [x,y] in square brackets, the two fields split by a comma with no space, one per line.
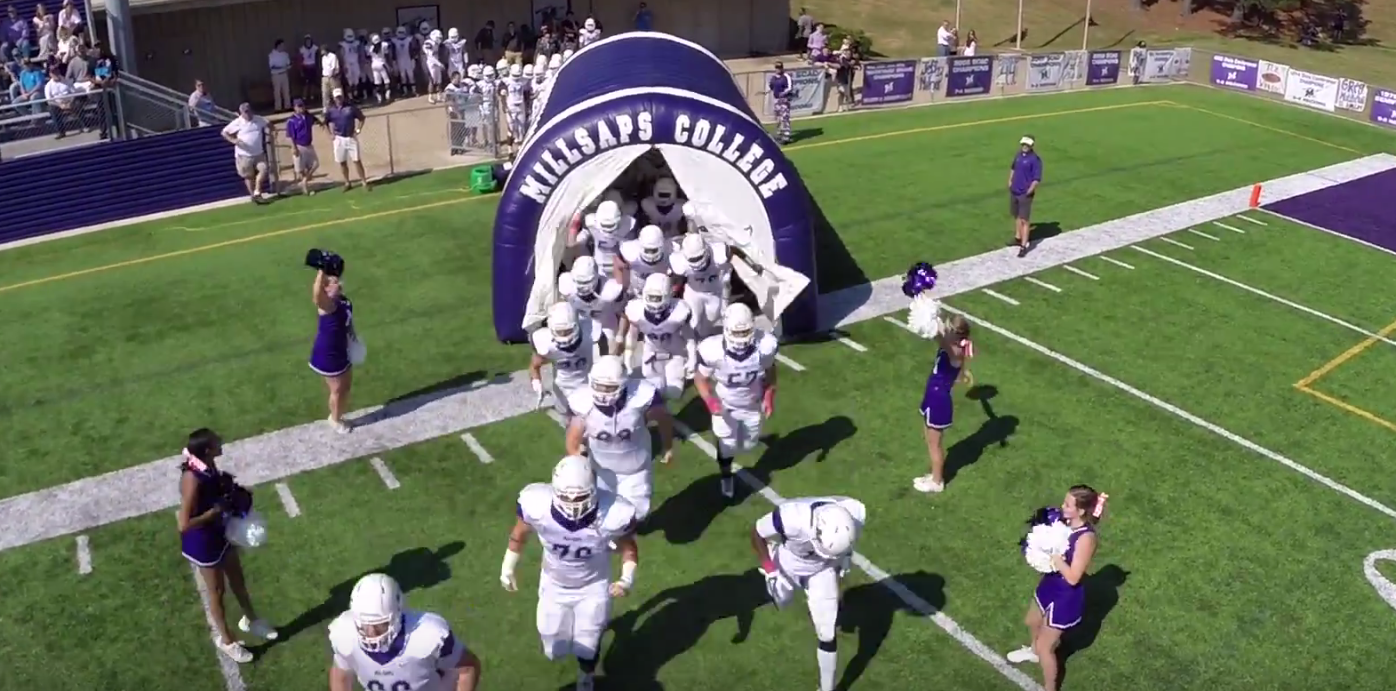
[436,69]
[807,544]
[705,268]
[576,524]
[488,88]
[606,230]
[566,343]
[589,34]
[349,50]
[390,648]
[641,256]
[404,61]
[736,379]
[378,56]
[670,352]
[515,104]
[664,207]
[611,421]
[455,52]
[598,298]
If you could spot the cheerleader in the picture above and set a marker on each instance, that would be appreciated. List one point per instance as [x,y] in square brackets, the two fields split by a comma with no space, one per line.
[207,496]
[952,356]
[1060,599]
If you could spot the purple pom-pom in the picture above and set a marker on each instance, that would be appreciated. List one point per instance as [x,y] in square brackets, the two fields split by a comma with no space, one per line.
[920,277]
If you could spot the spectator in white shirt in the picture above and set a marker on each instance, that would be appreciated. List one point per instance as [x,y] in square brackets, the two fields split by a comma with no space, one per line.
[945,39]
[329,76]
[804,26]
[58,93]
[201,105]
[248,135]
[309,64]
[971,44]
[279,62]
[69,18]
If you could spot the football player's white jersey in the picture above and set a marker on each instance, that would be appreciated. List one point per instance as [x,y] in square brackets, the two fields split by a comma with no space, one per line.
[575,555]
[639,268]
[666,336]
[740,381]
[402,48]
[425,651]
[606,243]
[618,440]
[791,525]
[603,305]
[431,53]
[669,219]
[710,279]
[489,92]
[455,55]
[515,89]
[570,367]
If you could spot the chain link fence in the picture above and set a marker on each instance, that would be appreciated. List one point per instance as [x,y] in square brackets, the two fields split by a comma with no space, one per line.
[34,126]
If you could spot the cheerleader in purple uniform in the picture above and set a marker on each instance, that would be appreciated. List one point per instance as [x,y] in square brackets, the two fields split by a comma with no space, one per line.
[937,404]
[1060,600]
[329,356]
[206,493]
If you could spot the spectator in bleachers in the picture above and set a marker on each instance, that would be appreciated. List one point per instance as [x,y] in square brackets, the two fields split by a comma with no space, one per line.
[201,105]
[59,95]
[46,31]
[644,18]
[248,135]
[16,28]
[69,18]
[279,62]
[68,44]
[309,54]
[31,86]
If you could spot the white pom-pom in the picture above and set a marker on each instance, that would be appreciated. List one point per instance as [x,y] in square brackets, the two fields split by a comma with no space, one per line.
[1044,542]
[924,319]
[249,531]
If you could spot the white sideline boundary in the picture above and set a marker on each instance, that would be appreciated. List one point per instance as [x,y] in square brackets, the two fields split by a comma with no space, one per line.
[1329,231]
[232,676]
[103,499]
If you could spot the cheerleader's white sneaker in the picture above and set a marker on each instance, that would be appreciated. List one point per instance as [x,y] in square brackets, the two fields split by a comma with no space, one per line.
[259,628]
[1022,655]
[235,651]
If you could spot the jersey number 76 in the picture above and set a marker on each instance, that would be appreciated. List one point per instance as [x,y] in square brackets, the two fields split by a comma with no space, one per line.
[566,551]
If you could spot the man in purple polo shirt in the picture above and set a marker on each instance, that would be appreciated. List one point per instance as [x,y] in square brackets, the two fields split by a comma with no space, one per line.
[298,130]
[346,121]
[1023,178]
[782,89]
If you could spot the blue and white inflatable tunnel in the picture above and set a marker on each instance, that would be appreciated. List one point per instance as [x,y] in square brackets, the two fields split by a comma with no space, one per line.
[612,102]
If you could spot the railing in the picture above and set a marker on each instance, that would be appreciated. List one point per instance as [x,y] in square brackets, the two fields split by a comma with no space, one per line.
[34,126]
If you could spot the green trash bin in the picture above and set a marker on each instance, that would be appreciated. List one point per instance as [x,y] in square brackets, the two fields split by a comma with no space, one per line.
[482,179]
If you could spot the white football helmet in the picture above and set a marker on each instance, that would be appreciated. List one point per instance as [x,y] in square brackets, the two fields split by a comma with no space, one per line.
[528,71]
[666,190]
[567,55]
[375,39]
[652,244]
[574,487]
[453,33]
[435,35]
[555,62]
[401,32]
[516,70]
[487,72]
[540,63]
[584,276]
[657,293]
[562,324]
[738,326]
[501,66]
[835,531]
[473,72]
[590,25]
[348,34]
[607,379]
[695,249]
[376,606]
[608,215]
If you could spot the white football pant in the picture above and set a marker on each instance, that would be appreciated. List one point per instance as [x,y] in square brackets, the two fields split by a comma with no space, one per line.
[436,71]
[572,620]
[380,75]
[707,312]
[636,488]
[822,596]
[518,124]
[736,431]
[665,373]
[560,394]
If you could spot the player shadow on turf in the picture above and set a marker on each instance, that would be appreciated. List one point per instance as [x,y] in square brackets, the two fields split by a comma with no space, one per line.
[1102,594]
[413,569]
[412,400]
[868,609]
[684,517]
[995,430]
[647,637]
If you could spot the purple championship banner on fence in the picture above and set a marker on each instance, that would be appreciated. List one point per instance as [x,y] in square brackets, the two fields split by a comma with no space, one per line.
[1104,68]
[970,76]
[1235,73]
[1384,108]
[888,82]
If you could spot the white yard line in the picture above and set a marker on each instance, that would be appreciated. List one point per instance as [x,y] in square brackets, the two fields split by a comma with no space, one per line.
[1201,234]
[851,343]
[479,449]
[1116,262]
[898,322]
[1171,241]
[84,546]
[1233,229]
[1334,233]
[1042,284]
[138,490]
[384,472]
[911,599]
[1078,272]
[1000,296]
[232,676]
[1269,296]
[1183,414]
[288,500]
[1252,220]
[781,358]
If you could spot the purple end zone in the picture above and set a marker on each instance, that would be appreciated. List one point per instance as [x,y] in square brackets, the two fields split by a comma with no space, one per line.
[1361,209]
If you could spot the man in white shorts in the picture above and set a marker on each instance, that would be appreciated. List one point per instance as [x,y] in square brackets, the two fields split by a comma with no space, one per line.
[736,379]
[577,524]
[611,420]
[346,121]
[248,135]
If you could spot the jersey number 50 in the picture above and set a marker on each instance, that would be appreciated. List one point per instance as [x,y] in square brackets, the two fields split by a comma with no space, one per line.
[375,685]
[565,551]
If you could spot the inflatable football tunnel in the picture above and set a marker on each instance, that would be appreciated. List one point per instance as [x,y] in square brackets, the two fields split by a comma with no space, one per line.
[614,101]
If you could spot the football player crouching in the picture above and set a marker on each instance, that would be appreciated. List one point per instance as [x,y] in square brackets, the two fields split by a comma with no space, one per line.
[386,646]
[566,344]
[611,421]
[807,544]
[576,523]
[664,324]
[736,378]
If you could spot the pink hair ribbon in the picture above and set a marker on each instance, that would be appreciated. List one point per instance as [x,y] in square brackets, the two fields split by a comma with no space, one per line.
[1100,505]
[968,347]
[193,461]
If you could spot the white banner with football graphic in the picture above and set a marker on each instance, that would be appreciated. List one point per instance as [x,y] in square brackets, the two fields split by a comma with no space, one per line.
[1312,90]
